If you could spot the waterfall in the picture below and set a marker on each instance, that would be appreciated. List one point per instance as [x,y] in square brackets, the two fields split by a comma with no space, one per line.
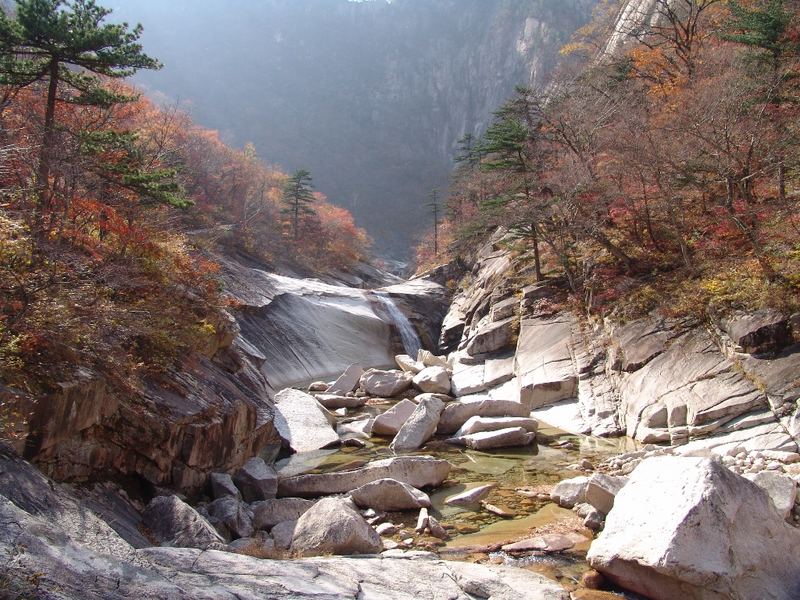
[411,341]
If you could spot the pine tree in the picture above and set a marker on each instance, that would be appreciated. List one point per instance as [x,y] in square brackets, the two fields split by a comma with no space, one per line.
[434,206]
[298,195]
[67,44]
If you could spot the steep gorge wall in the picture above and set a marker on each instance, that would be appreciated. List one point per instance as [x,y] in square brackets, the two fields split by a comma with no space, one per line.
[371,97]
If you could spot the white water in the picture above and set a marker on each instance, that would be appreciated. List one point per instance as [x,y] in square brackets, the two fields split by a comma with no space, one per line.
[411,341]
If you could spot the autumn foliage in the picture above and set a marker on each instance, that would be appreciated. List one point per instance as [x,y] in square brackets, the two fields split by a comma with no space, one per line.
[662,172]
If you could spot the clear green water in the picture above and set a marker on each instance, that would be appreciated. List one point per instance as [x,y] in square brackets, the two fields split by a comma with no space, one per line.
[476,533]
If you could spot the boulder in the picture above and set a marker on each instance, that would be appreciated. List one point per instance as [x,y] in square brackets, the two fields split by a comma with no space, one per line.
[433,380]
[491,338]
[570,492]
[501,438]
[419,427]
[318,386]
[233,515]
[498,371]
[172,522]
[334,526]
[456,414]
[222,485]
[435,528]
[468,380]
[389,495]
[282,533]
[361,428]
[470,497]
[385,384]
[390,422]
[429,359]
[765,330]
[479,424]
[601,490]
[347,382]
[548,542]
[418,471]
[333,402]
[782,490]
[302,422]
[720,537]
[268,513]
[408,364]
[256,480]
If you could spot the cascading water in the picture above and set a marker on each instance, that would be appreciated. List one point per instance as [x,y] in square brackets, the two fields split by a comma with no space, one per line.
[411,341]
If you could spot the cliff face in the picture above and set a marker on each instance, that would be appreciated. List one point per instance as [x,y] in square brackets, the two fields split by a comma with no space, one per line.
[371,97]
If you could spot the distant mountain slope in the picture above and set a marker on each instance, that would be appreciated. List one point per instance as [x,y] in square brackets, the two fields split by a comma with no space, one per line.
[371,97]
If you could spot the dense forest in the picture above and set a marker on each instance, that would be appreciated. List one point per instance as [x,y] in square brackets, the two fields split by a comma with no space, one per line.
[112,209]
[662,174]
[371,97]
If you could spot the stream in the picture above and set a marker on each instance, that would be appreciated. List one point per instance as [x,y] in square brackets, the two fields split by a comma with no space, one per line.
[475,535]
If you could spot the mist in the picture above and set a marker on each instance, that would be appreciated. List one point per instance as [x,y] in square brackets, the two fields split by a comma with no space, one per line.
[371,97]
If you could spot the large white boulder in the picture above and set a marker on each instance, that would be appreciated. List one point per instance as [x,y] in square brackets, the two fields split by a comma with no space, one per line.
[501,438]
[433,380]
[390,495]
[302,422]
[689,528]
[385,384]
[334,526]
[479,424]
[419,427]
[390,422]
[419,471]
[456,414]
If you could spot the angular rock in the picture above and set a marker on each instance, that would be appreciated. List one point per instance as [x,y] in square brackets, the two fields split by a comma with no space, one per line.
[222,485]
[479,424]
[764,330]
[720,537]
[283,533]
[501,438]
[456,414]
[333,402]
[347,382]
[361,428]
[549,542]
[318,386]
[302,422]
[435,528]
[782,490]
[601,490]
[235,516]
[390,422]
[505,309]
[491,338]
[387,529]
[390,495]
[433,380]
[429,359]
[545,366]
[498,371]
[172,522]
[570,492]
[333,526]
[385,384]
[268,513]
[256,480]
[422,520]
[408,364]
[418,471]
[468,380]
[470,497]
[419,427]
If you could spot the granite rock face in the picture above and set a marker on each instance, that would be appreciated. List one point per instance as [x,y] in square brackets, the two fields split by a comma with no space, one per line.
[719,538]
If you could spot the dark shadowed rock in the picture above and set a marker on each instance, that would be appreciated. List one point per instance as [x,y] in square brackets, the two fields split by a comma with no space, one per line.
[222,485]
[256,480]
[172,522]
[268,513]
[234,515]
